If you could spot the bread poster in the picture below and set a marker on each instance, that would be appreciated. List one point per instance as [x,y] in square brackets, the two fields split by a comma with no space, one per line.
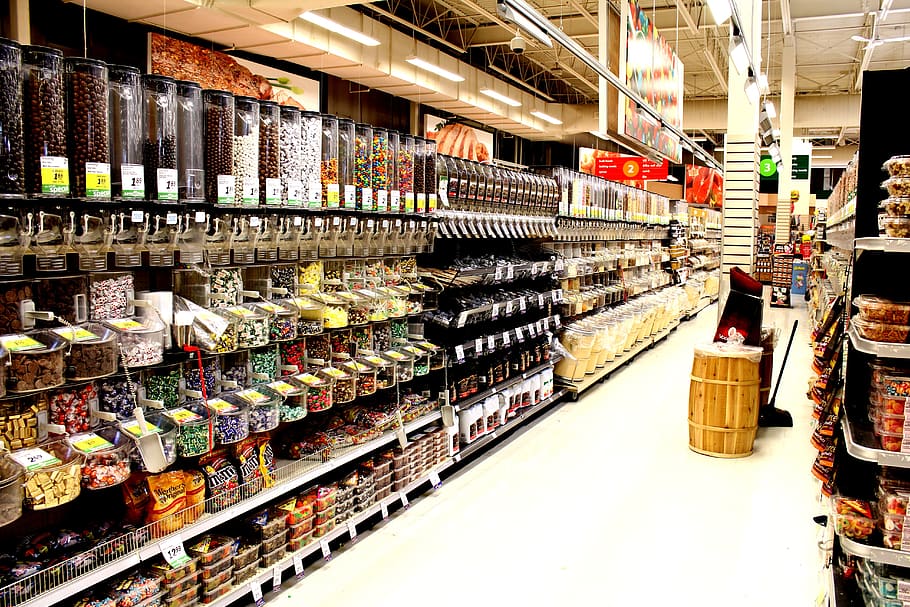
[453,139]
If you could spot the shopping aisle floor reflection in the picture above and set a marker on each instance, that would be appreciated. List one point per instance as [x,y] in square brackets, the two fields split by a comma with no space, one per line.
[602,503]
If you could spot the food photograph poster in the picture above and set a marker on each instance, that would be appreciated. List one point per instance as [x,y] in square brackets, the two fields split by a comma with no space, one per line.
[459,140]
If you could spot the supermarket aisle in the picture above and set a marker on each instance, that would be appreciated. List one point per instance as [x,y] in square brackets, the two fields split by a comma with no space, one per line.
[602,503]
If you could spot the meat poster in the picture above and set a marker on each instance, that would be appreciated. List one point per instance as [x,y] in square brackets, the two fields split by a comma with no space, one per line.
[704,186]
[459,140]
[215,70]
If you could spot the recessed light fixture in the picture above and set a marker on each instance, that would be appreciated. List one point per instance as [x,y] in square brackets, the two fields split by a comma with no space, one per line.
[545,117]
[720,10]
[336,28]
[435,69]
[500,97]
[814,157]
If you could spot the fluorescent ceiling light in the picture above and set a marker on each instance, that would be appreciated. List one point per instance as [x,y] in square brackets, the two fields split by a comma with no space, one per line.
[510,14]
[545,117]
[522,83]
[426,65]
[738,55]
[814,157]
[720,10]
[770,110]
[337,28]
[824,147]
[500,97]
[752,92]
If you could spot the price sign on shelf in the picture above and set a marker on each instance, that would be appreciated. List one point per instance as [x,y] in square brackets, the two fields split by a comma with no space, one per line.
[298,566]
[326,550]
[491,343]
[173,552]
[352,530]
[385,510]
[256,589]
[459,352]
[276,578]
[404,500]
[478,345]
[435,480]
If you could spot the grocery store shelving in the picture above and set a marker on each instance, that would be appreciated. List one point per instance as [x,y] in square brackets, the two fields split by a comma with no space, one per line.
[508,306]
[481,345]
[884,244]
[705,301]
[877,554]
[510,425]
[861,443]
[476,398]
[41,592]
[877,348]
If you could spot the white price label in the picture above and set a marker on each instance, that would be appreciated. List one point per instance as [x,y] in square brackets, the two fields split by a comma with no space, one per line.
[382,200]
[459,352]
[200,217]
[462,319]
[352,530]
[435,480]
[298,566]
[171,219]
[535,269]
[272,190]
[506,340]
[250,195]
[491,343]
[336,221]
[532,330]
[498,274]
[540,300]
[518,334]
[404,499]
[226,189]
[276,578]
[137,216]
[522,305]
[295,191]
[384,508]
[508,307]
[298,221]
[256,589]
[903,589]
[167,184]
[510,272]
[546,324]
[132,178]
[366,198]
[326,549]
[350,196]
[395,201]
[478,345]
[495,311]
[173,552]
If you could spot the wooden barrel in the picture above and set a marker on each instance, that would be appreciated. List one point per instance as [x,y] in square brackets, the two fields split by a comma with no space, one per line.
[723,400]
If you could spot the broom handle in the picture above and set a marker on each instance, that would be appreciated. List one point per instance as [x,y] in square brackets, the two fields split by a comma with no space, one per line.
[783,363]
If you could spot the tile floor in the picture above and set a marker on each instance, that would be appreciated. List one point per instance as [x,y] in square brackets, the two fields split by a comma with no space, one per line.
[600,502]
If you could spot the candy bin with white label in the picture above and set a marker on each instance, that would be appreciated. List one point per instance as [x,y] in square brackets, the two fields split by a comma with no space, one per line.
[421,359]
[318,394]
[160,146]
[107,457]
[399,328]
[193,382]
[252,322]
[232,420]
[93,351]
[329,165]
[11,476]
[246,151]
[346,163]
[293,408]
[141,340]
[386,371]
[404,364]
[23,421]
[282,319]
[262,403]
[195,428]
[264,363]
[53,474]
[155,423]
[88,126]
[270,190]
[345,388]
[127,177]
[36,360]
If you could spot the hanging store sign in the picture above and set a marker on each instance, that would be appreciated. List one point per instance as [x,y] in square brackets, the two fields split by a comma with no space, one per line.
[623,168]
[704,185]
[654,72]
[800,167]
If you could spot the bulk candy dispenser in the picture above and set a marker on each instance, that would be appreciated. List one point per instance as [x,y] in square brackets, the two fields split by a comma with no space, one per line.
[36,360]
[127,173]
[219,146]
[392,156]
[312,158]
[160,146]
[53,474]
[190,142]
[106,457]
[12,157]
[291,152]
[346,163]
[45,122]
[329,175]
[87,126]
[270,187]
[246,151]
[141,340]
[93,351]
[195,429]
[363,175]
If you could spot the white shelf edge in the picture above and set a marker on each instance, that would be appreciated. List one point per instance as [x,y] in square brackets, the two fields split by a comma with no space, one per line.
[871,454]
[888,245]
[875,553]
[885,350]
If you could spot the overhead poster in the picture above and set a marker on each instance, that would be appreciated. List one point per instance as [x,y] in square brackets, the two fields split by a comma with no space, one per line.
[459,140]
[704,185]
[654,72]
[215,70]
[620,167]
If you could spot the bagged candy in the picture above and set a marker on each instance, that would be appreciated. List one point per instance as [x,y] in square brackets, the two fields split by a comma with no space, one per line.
[267,466]
[221,480]
[195,494]
[167,493]
[136,497]
[246,454]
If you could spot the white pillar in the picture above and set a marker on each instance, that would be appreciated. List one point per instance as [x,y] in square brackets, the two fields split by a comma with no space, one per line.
[787,102]
[20,23]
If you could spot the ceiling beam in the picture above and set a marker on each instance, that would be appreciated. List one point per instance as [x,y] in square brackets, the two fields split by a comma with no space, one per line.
[584,12]
[683,11]
[712,63]
[410,25]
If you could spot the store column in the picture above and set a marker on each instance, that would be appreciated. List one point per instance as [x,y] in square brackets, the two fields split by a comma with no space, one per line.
[741,161]
[782,259]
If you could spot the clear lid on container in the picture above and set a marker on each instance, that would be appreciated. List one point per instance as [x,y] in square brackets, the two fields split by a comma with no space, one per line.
[285,387]
[189,413]
[308,303]
[377,361]
[246,312]
[133,325]
[50,455]
[397,356]
[276,308]
[314,380]
[99,440]
[360,365]
[414,351]
[220,406]
[872,305]
[85,333]
[256,396]
[34,342]
[898,165]
[338,373]
[155,423]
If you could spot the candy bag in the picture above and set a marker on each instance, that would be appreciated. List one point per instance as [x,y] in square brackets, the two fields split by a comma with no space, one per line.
[167,493]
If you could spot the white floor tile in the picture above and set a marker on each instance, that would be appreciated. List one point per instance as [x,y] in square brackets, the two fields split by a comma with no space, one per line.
[602,503]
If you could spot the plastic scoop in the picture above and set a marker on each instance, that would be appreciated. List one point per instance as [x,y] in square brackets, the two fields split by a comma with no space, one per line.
[149,444]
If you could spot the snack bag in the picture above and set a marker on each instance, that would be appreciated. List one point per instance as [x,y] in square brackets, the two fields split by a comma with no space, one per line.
[136,497]
[246,455]
[195,494]
[167,493]
[266,461]
[221,480]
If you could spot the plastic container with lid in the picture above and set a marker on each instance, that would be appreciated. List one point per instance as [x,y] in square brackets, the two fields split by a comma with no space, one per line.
[432,172]
[270,190]
[896,206]
[262,404]
[878,309]
[253,325]
[293,408]
[881,332]
[160,145]
[246,555]
[421,359]
[318,390]
[310,316]
[329,173]
[106,453]
[45,122]
[246,151]
[210,549]
[345,384]
[420,182]
[88,127]
[195,429]
[897,186]
[93,351]
[290,155]
[282,319]
[127,173]
[190,142]
[218,124]
[896,227]
[898,166]
[212,575]
[404,363]
[363,175]
[183,598]
[53,474]
[232,421]
[36,360]
[173,575]
[365,373]
[406,174]
[141,340]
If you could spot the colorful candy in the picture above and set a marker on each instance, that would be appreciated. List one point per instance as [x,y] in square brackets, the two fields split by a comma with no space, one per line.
[71,407]
[293,354]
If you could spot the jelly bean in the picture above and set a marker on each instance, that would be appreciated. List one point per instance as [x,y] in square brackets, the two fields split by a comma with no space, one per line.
[293,354]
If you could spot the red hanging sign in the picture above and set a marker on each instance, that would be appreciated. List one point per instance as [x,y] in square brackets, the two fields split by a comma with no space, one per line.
[629,168]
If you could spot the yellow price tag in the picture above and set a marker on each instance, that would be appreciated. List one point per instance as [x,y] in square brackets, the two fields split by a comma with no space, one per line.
[222,406]
[126,324]
[253,396]
[75,333]
[283,388]
[97,180]
[17,343]
[55,175]
[184,416]
[133,428]
[92,443]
